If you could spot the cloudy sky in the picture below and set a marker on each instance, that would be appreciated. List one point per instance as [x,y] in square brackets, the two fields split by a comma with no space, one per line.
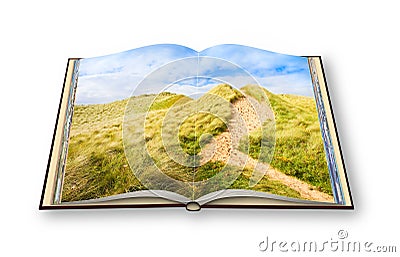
[179,69]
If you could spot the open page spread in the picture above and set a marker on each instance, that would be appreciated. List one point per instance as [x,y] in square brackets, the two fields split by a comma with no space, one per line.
[171,122]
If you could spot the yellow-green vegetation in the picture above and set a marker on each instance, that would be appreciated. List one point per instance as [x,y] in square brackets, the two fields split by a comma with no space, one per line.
[299,149]
[156,147]
[199,126]
[198,129]
[165,100]
[226,92]
[97,165]
[192,127]
[267,185]
[264,185]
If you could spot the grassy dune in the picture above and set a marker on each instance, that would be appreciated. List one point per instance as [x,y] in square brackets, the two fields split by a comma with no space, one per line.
[198,128]
[96,163]
[97,166]
[211,169]
[299,150]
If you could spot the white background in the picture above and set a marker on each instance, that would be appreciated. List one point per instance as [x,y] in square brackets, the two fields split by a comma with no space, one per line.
[359,45]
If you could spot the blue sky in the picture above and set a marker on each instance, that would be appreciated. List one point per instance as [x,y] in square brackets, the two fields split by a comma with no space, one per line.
[276,72]
[114,77]
[182,70]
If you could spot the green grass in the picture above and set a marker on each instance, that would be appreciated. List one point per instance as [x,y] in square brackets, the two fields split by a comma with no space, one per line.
[193,129]
[264,185]
[97,166]
[208,170]
[211,169]
[197,129]
[299,150]
[226,92]
[156,149]
[199,126]
[165,100]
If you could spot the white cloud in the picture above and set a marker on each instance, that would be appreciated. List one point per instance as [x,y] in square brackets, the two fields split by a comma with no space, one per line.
[297,84]
[105,88]
[190,90]
[113,77]
[109,78]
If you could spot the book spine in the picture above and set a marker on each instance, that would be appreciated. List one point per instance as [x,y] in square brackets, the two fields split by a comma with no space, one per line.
[326,135]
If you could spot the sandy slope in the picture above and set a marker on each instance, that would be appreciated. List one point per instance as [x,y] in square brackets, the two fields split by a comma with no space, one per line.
[245,120]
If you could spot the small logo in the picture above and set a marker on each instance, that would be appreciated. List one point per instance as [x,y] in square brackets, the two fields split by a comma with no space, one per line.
[342,234]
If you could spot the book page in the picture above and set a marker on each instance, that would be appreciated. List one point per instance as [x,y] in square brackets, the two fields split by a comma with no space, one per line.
[187,125]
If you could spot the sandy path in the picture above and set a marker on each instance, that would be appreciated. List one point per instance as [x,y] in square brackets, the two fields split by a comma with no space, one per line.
[245,120]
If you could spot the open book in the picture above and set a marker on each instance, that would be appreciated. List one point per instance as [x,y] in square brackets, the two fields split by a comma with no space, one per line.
[165,125]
